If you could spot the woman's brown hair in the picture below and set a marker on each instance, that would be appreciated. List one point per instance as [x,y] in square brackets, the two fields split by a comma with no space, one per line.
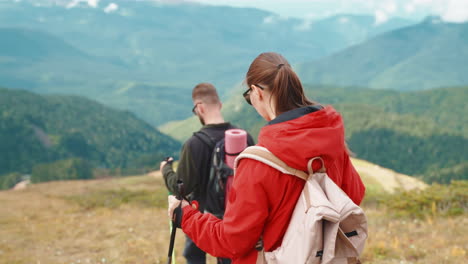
[273,70]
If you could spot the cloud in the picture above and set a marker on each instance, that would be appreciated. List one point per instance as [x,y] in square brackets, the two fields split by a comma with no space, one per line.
[343,20]
[274,19]
[304,26]
[306,23]
[112,7]
[91,3]
[268,20]
[390,7]
[409,8]
[424,2]
[456,11]
[380,17]
[72,4]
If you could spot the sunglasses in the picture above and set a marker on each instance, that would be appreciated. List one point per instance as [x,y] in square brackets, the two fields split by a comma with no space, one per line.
[246,94]
[194,108]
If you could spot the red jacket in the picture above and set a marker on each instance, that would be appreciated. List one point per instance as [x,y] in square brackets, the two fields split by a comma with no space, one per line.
[262,199]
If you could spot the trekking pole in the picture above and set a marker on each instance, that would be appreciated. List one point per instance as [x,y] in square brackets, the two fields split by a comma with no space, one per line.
[180,196]
[169,160]
[173,252]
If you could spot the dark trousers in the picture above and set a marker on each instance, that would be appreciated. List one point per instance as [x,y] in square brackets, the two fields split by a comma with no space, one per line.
[194,255]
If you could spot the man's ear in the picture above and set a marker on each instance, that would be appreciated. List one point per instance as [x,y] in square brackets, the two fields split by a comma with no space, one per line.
[201,108]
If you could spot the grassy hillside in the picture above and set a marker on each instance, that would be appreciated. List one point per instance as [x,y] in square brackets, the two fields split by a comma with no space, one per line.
[427,55]
[417,133]
[124,220]
[36,129]
[444,107]
[155,104]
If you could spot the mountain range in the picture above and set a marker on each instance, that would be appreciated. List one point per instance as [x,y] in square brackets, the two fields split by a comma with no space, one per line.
[86,51]
[423,56]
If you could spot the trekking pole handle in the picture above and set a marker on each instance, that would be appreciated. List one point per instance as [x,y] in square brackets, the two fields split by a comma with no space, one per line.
[169,160]
[180,196]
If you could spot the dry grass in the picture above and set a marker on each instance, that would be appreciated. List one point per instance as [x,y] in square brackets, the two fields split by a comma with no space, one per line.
[404,240]
[123,220]
[40,225]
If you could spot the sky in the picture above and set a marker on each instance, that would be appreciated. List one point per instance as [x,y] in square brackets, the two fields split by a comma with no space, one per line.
[450,10]
[455,11]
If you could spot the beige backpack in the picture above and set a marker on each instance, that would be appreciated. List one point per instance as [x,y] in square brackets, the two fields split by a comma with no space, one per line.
[326,225]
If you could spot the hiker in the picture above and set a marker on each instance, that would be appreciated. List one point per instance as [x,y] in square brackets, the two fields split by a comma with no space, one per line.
[195,158]
[262,199]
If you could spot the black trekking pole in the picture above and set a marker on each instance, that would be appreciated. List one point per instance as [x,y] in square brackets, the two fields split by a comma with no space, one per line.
[180,196]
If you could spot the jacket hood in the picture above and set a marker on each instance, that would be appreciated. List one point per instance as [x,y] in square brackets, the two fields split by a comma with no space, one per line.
[298,135]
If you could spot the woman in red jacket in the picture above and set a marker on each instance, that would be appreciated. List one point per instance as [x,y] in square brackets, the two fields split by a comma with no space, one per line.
[262,198]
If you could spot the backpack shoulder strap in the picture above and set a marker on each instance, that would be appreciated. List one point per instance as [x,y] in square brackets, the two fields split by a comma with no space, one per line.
[265,156]
[205,138]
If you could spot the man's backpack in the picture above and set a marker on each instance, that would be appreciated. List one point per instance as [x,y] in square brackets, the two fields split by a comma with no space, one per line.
[326,225]
[220,178]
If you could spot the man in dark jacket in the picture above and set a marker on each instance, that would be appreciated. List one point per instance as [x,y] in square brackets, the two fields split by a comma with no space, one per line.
[195,159]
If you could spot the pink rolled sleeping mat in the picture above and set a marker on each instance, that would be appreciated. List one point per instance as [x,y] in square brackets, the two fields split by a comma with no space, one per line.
[235,141]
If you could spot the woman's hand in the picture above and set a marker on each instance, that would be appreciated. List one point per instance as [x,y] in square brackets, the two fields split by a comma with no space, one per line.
[173,203]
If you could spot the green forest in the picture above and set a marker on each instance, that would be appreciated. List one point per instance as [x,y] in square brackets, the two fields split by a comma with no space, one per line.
[78,132]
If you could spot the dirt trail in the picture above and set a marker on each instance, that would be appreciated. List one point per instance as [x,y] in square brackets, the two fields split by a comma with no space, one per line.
[388,179]
[21,185]
[155,174]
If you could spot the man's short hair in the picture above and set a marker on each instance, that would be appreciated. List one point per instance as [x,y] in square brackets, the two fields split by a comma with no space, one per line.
[206,93]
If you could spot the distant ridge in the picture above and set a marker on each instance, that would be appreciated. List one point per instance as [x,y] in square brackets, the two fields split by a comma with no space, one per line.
[427,55]
[34,44]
